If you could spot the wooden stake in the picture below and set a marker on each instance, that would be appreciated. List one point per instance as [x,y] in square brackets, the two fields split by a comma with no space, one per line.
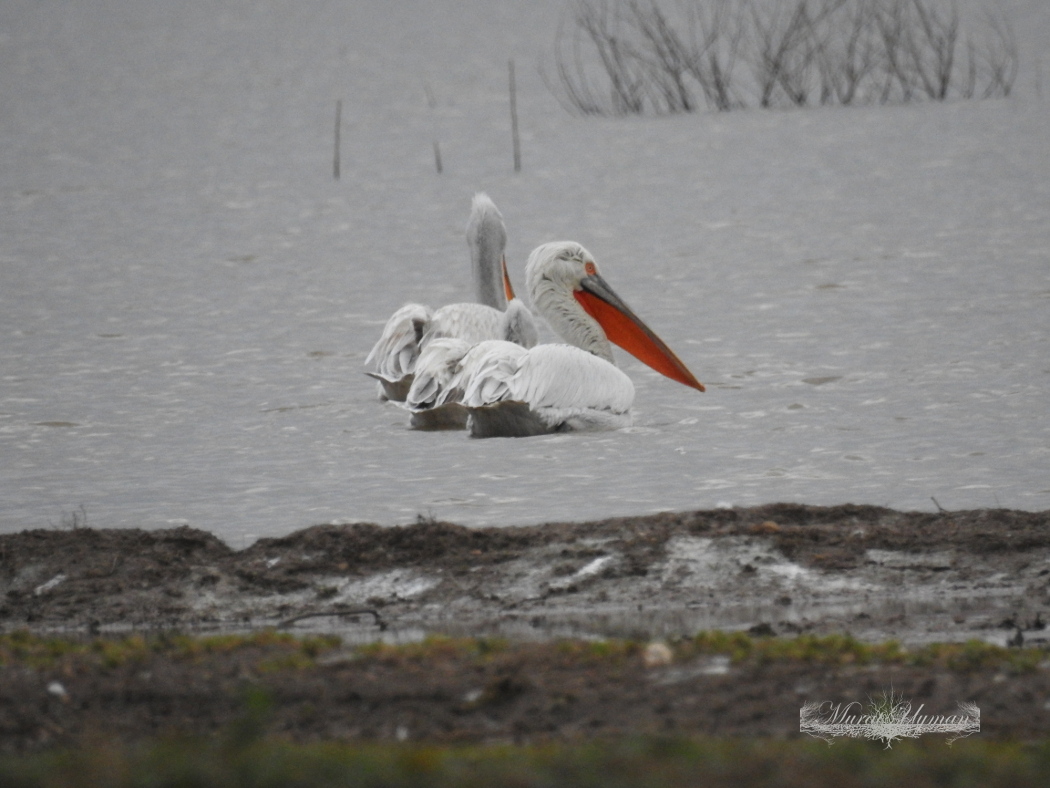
[338,124]
[437,156]
[514,118]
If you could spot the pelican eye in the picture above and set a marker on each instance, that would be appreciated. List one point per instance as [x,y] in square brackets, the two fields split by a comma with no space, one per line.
[590,268]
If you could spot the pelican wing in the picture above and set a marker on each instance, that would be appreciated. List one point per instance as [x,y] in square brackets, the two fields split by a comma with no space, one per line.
[486,373]
[438,364]
[565,377]
[436,368]
[472,323]
[516,392]
[398,348]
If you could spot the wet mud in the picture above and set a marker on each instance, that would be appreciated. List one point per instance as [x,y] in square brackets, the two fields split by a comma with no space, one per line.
[872,572]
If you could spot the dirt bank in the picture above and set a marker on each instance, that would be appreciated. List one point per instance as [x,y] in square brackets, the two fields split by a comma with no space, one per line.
[784,568]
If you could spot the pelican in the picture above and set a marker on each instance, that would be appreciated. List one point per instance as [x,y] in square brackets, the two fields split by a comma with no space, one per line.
[497,315]
[512,391]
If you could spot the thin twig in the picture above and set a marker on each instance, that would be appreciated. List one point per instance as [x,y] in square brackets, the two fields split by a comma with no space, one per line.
[338,124]
[514,118]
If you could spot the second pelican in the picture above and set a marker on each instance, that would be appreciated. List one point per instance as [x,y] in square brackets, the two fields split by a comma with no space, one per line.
[496,315]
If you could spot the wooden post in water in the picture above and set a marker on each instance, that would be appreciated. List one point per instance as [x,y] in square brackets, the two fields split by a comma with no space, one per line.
[437,156]
[514,118]
[338,124]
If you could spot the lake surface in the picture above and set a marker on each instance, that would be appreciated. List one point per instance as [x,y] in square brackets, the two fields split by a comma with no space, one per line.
[187,295]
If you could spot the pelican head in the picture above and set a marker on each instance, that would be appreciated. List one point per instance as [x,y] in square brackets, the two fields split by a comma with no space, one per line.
[487,239]
[569,291]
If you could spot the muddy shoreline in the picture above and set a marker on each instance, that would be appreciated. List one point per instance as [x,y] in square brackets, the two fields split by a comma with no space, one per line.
[872,572]
[780,570]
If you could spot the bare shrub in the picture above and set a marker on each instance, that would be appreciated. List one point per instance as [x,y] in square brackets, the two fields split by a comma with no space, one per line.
[600,32]
[784,51]
[661,56]
[848,53]
[717,34]
[634,56]
[994,59]
[919,39]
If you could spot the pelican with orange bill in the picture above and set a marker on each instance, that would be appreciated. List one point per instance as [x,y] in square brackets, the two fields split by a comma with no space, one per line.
[512,391]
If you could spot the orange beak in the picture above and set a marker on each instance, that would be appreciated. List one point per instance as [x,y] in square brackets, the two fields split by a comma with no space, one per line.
[507,288]
[624,328]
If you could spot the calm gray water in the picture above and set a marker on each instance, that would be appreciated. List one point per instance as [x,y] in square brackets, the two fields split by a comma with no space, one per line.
[187,296]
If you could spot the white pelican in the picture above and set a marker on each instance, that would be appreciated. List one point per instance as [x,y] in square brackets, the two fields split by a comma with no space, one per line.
[497,315]
[512,391]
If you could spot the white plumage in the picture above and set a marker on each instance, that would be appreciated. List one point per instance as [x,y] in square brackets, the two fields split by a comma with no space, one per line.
[432,398]
[396,356]
[509,390]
